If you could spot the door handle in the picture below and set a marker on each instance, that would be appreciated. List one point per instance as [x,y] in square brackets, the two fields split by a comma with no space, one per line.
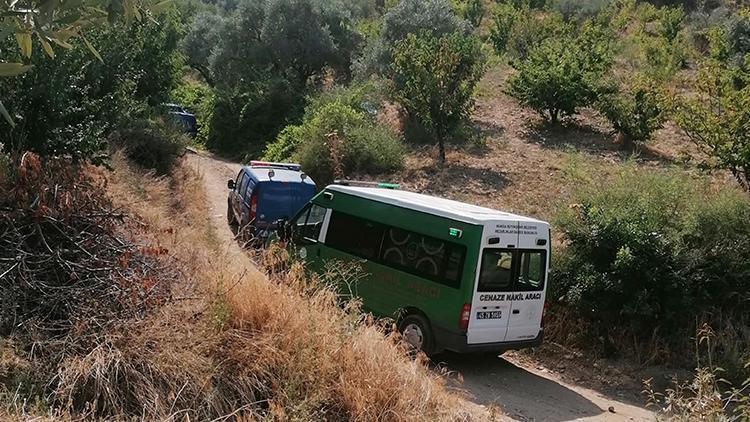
[516,311]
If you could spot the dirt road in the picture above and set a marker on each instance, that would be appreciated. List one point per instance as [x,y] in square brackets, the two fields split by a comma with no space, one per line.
[521,391]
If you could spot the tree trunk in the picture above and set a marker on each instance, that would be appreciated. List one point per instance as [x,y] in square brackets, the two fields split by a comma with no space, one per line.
[441,149]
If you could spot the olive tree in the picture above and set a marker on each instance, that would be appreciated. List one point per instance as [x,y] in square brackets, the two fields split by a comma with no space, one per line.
[435,78]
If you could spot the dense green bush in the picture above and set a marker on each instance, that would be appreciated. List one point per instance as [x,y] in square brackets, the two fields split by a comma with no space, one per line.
[579,9]
[151,144]
[472,11]
[198,98]
[563,74]
[653,252]
[336,140]
[636,109]
[434,80]
[69,104]
[530,29]
[503,20]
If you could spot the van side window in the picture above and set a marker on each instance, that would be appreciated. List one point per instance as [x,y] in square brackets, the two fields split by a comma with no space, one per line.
[424,256]
[532,271]
[354,235]
[241,183]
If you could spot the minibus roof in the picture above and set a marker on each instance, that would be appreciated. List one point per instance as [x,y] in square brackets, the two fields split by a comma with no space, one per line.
[432,205]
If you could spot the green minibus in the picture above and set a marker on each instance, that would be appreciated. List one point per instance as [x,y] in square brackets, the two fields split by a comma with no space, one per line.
[454,276]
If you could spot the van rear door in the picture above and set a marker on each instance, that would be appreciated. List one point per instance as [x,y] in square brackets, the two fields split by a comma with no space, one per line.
[530,282]
[490,306]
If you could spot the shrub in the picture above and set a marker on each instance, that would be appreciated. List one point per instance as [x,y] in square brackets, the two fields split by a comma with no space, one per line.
[153,145]
[435,80]
[636,110]
[472,10]
[336,140]
[529,30]
[198,98]
[503,20]
[670,21]
[715,120]
[79,99]
[560,75]
[579,10]
[642,260]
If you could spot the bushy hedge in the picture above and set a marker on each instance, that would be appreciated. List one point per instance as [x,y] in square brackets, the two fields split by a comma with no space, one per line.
[337,140]
[651,255]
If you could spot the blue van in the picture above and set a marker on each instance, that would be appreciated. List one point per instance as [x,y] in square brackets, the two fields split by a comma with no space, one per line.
[265,193]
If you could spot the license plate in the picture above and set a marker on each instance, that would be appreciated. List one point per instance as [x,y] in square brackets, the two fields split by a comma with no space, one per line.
[490,315]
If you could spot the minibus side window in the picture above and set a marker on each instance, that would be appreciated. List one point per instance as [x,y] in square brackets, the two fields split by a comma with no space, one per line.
[496,272]
[354,235]
[532,271]
[423,255]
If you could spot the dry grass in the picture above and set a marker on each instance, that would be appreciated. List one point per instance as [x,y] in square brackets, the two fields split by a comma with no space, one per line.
[232,344]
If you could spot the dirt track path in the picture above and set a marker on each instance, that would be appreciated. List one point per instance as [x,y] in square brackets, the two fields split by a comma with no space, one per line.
[522,393]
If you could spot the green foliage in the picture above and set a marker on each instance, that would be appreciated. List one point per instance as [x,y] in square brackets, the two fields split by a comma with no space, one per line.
[636,110]
[503,20]
[641,256]
[408,17]
[562,73]
[717,119]
[580,10]
[435,78]
[152,144]
[198,98]
[68,104]
[472,11]
[530,29]
[670,21]
[336,140]
[54,25]
[263,59]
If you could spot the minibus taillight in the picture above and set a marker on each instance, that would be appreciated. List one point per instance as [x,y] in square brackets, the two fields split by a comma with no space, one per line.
[544,311]
[253,207]
[463,322]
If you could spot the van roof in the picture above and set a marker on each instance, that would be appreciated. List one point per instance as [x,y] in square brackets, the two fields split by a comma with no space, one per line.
[432,205]
[279,175]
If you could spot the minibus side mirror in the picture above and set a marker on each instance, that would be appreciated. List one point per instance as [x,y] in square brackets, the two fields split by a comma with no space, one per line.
[230,184]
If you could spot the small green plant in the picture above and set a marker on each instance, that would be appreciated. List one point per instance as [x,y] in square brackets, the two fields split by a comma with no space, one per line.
[636,110]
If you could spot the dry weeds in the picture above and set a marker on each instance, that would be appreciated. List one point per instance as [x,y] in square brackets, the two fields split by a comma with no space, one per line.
[234,345]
